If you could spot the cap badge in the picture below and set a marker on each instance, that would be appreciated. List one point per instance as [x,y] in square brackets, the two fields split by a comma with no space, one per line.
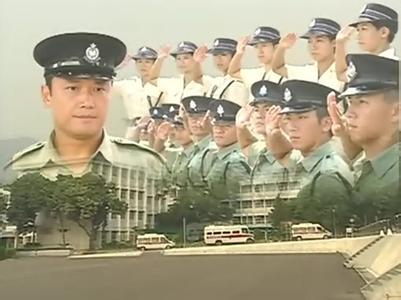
[171,109]
[363,9]
[287,95]
[92,54]
[181,45]
[312,24]
[263,91]
[143,49]
[155,111]
[220,110]
[351,71]
[192,104]
[216,43]
[257,31]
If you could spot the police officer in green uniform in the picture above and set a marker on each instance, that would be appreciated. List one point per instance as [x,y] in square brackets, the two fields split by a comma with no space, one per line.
[78,71]
[373,123]
[227,168]
[196,108]
[314,160]
[264,164]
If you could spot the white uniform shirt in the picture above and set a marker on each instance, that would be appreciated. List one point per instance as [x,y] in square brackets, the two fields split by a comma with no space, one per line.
[135,96]
[174,88]
[250,76]
[310,72]
[389,53]
[229,88]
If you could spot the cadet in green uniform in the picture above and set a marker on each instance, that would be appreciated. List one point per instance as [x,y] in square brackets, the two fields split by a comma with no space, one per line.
[263,162]
[196,108]
[78,71]
[228,167]
[314,159]
[373,123]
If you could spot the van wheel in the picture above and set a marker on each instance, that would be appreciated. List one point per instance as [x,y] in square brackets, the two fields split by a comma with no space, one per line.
[167,247]
[142,249]
[325,237]
[219,243]
[250,241]
[298,238]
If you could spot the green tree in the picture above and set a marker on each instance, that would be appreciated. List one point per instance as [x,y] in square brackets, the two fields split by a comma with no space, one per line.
[327,201]
[197,206]
[29,195]
[86,200]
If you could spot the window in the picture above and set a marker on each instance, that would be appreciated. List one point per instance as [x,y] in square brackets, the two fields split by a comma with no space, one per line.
[244,230]
[217,233]
[114,216]
[236,232]
[226,232]
[208,233]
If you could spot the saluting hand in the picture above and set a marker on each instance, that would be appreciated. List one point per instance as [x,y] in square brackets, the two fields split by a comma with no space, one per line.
[242,119]
[163,131]
[344,34]
[206,122]
[164,51]
[338,125]
[288,41]
[272,119]
[200,54]
[242,43]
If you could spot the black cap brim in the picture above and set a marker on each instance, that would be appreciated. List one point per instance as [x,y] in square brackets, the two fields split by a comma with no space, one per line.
[176,53]
[310,33]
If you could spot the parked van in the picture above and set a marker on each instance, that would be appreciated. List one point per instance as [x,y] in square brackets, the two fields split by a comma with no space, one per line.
[229,234]
[153,241]
[309,231]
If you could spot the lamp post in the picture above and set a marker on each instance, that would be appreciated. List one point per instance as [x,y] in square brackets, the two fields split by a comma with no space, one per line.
[334,221]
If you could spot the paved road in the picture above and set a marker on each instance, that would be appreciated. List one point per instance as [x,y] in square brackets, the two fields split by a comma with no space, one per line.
[155,277]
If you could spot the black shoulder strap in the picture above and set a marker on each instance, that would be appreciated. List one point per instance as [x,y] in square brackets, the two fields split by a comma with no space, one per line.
[202,167]
[214,89]
[243,163]
[342,179]
[226,88]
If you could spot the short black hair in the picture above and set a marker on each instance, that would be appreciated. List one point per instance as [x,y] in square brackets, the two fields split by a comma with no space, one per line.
[48,80]
[392,27]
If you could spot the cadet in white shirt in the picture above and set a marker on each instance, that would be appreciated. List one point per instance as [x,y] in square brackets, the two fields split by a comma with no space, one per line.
[226,87]
[376,28]
[264,40]
[138,93]
[321,36]
[191,81]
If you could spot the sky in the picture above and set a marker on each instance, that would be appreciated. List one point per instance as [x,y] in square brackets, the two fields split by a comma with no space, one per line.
[154,23]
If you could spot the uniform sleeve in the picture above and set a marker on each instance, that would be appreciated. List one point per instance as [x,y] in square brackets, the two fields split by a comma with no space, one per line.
[237,173]
[237,93]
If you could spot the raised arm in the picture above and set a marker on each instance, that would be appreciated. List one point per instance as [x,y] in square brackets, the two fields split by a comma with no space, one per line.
[342,38]
[157,66]
[245,137]
[234,69]
[278,62]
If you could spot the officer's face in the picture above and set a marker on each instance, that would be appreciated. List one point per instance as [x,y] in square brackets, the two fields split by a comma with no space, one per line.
[224,134]
[222,61]
[370,38]
[181,135]
[185,63]
[305,131]
[258,117]
[321,48]
[265,52]
[194,124]
[370,117]
[143,66]
[79,106]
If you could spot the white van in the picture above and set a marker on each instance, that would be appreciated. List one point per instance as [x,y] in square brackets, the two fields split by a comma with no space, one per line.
[227,234]
[153,241]
[309,231]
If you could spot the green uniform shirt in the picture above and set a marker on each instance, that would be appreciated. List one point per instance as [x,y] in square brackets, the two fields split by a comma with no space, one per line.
[228,169]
